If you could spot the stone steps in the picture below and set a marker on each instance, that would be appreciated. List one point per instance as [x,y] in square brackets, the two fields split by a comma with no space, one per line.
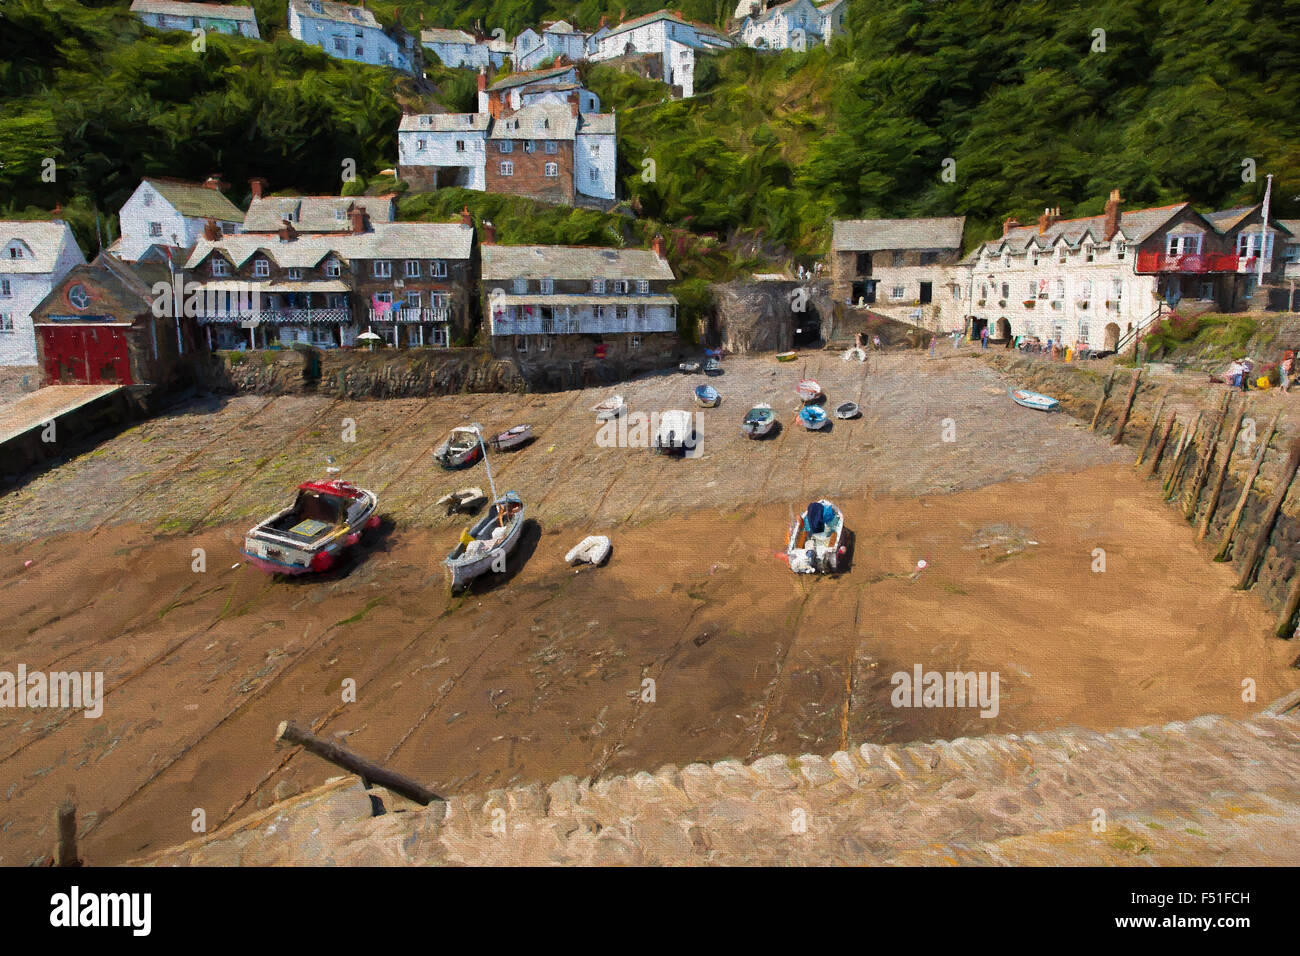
[1208,790]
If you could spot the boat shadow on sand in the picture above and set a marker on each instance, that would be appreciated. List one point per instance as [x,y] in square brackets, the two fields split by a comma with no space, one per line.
[530,535]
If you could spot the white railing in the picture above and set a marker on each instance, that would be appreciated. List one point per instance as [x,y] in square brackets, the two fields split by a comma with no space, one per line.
[411,315]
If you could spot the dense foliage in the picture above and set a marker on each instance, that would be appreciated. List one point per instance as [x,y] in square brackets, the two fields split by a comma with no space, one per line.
[1019,95]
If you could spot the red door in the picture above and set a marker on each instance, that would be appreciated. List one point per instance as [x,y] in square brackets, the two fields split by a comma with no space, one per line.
[86,355]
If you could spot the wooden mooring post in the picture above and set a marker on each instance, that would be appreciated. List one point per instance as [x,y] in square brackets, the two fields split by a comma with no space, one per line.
[365,768]
[1216,489]
[1265,529]
[1105,393]
[1151,432]
[1128,406]
[1160,446]
[1235,518]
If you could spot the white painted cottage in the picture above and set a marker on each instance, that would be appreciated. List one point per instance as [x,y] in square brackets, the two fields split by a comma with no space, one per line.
[34,258]
[172,213]
[211,17]
[349,33]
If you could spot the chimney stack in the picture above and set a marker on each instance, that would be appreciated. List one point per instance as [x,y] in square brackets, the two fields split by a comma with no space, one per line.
[1011,223]
[357,219]
[1112,214]
[214,182]
[658,246]
[489,233]
[211,231]
[257,186]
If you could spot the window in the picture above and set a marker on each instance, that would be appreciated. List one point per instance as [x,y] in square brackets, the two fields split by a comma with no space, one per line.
[261,268]
[506,146]
[552,146]
[332,268]
[295,273]
[552,169]
[412,270]
[643,286]
[220,267]
[155,229]
[438,268]
[383,268]
[598,286]
[6,321]
[507,168]
[547,286]
[6,290]
[896,259]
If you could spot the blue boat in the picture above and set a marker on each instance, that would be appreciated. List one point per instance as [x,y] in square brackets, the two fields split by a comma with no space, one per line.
[707,396]
[1034,400]
[813,417]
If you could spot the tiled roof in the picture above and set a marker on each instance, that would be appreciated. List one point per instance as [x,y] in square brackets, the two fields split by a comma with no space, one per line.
[313,213]
[196,200]
[870,235]
[571,262]
[445,122]
[394,240]
[440,35]
[44,238]
[341,12]
[214,11]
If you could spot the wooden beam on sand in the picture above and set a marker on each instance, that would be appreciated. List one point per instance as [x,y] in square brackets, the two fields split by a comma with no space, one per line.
[1180,458]
[1265,529]
[1105,393]
[1202,471]
[1216,489]
[1128,405]
[365,768]
[1151,432]
[1160,446]
[1226,544]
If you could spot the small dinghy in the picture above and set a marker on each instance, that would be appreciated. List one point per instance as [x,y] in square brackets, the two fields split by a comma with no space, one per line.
[463,500]
[817,539]
[593,549]
[813,417]
[487,543]
[847,410]
[610,408]
[809,390]
[759,421]
[512,438]
[707,396]
[713,367]
[689,367]
[1034,400]
[325,518]
[786,356]
[461,449]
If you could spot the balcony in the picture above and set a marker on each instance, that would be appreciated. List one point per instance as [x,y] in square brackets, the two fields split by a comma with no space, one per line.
[410,315]
[1152,262]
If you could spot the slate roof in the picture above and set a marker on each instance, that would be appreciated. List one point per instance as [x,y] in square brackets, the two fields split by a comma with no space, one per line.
[394,240]
[313,213]
[871,235]
[196,200]
[45,238]
[213,11]
[571,262]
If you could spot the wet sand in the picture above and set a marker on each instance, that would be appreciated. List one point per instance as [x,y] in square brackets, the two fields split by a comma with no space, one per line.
[542,673]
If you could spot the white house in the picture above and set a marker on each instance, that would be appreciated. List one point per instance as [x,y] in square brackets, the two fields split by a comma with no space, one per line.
[533,48]
[674,40]
[34,257]
[349,33]
[794,25]
[456,48]
[211,17]
[171,213]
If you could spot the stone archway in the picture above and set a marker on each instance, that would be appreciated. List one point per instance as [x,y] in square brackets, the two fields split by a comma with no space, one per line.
[1110,341]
